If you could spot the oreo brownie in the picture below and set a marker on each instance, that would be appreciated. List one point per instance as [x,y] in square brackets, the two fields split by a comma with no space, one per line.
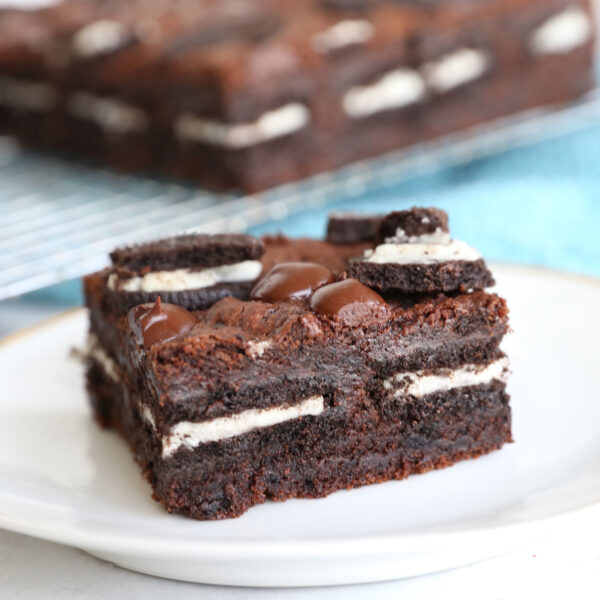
[415,254]
[314,383]
[253,93]
[192,270]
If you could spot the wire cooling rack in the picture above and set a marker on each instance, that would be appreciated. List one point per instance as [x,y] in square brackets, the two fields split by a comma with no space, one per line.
[58,220]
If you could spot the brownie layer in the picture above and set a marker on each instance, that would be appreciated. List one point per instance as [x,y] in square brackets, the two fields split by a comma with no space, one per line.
[315,455]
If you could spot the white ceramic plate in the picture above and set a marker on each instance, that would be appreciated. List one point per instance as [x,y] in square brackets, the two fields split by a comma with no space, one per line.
[63,479]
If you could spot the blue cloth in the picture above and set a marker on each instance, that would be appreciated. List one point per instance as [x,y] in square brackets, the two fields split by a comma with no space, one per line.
[539,204]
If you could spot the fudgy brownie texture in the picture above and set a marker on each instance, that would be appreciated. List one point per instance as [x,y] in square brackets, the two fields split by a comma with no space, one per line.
[312,383]
[451,276]
[253,93]
[313,457]
[350,228]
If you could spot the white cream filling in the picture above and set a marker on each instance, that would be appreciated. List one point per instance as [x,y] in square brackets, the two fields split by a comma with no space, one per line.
[149,417]
[455,69]
[437,237]
[94,350]
[98,37]
[270,125]
[179,280]
[418,384]
[28,95]
[344,33]
[191,435]
[398,88]
[562,33]
[257,349]
[405,254]
[112,115]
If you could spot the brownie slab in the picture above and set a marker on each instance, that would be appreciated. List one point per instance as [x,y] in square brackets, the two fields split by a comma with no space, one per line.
[312,383]
[249,94]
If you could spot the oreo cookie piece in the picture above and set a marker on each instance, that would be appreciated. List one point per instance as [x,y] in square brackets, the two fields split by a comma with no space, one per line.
[350,228]
[417,225]
[415,254]
[192,270]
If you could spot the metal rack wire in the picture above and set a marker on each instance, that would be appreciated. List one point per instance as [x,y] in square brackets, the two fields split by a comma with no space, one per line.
[59,220]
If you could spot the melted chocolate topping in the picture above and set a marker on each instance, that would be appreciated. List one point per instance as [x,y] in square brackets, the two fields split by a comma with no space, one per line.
[291,281]
[349,301]
[161,322]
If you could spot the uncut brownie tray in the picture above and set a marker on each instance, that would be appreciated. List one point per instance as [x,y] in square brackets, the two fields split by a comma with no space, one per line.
[283,368]
[248,94]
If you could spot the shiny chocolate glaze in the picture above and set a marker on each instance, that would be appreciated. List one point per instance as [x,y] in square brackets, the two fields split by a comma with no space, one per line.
[348,301]
[160,321]
[291,281]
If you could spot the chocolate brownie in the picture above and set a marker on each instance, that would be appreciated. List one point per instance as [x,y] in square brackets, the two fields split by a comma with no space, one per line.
[253,93]
[415,254]
[313,384]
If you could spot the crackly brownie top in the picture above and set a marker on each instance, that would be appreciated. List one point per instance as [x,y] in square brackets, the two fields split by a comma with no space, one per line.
[188,251]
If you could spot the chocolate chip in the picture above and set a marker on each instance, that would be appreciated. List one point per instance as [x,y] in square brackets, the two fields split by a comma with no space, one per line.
[291,281]
[160,322]
[349,301]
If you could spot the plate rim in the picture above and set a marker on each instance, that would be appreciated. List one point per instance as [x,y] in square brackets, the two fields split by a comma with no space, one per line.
[94,537]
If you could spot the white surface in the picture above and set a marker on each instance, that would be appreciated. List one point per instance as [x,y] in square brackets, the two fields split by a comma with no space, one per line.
[62,478]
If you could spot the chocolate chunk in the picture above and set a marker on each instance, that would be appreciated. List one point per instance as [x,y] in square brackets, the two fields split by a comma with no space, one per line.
[291,281]
[400,226]
[188,251]
[348,228]
[160,322]
[348,301]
